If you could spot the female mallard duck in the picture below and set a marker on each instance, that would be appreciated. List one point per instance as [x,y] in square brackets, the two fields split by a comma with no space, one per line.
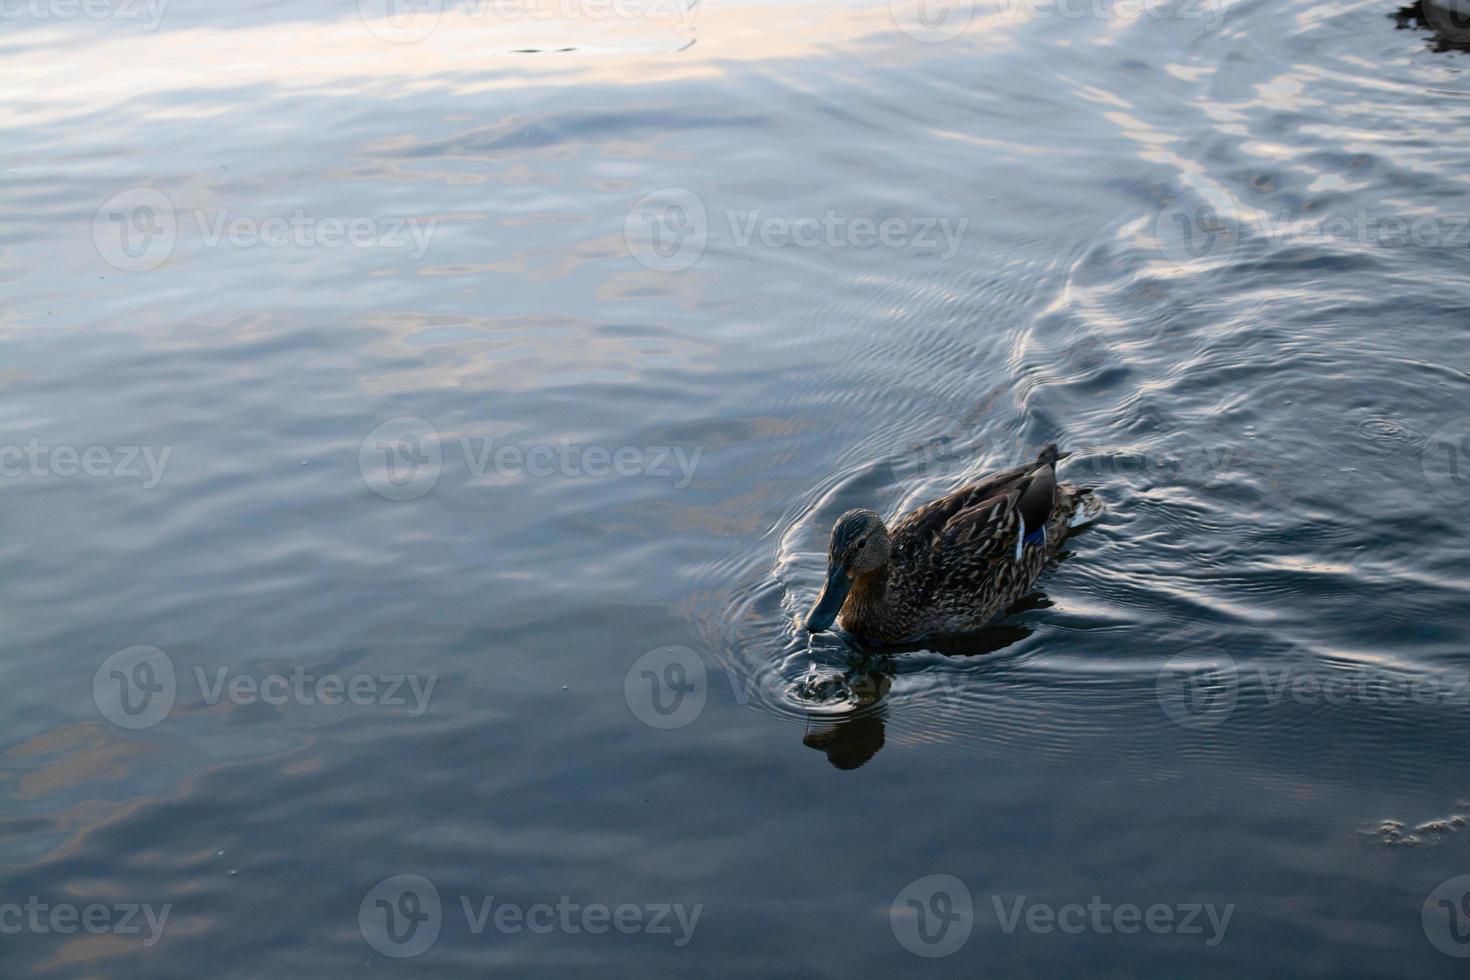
[954,563]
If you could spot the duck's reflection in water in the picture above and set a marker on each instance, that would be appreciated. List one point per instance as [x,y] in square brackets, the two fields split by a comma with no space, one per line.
[851,739]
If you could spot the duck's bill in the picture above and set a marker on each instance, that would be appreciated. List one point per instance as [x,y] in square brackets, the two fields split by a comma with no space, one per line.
[824,612]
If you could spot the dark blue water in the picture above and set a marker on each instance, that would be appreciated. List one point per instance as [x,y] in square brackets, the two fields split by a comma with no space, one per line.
[420,434]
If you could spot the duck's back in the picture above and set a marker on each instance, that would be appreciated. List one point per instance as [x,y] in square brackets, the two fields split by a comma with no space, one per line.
[966,510]
[955,559]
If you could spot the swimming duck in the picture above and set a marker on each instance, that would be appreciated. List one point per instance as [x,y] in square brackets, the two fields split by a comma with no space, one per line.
[954,563]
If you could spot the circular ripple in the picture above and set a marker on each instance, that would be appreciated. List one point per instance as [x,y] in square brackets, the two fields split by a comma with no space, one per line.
[1389,437]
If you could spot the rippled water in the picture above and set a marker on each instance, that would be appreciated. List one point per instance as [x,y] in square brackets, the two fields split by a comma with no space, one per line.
[514,367]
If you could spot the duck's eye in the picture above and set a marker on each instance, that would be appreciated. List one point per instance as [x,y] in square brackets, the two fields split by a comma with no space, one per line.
[861,542]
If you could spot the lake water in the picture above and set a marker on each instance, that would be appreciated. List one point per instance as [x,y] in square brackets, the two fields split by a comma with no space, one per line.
[422,426]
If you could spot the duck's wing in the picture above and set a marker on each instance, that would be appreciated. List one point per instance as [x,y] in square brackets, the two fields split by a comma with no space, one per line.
[985,515]
[987,530]
[955,539]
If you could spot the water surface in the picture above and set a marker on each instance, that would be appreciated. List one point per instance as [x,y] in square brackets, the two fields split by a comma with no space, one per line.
[533,358]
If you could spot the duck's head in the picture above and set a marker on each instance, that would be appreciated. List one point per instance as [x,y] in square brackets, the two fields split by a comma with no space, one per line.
[859,545]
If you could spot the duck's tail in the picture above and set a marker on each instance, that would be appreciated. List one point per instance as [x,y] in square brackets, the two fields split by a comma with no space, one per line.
[1080,504]
[1088,507]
